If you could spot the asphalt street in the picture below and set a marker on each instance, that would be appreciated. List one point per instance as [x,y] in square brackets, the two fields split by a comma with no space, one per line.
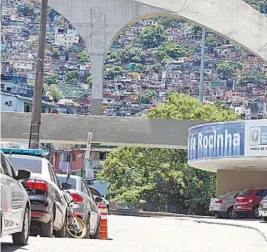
[139,234]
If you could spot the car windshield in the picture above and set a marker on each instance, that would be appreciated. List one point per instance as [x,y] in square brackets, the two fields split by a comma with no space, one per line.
[246,193]
[33,165]
[72,181]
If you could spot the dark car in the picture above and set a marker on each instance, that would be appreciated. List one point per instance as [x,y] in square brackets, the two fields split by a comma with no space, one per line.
[49,208]
[247,203]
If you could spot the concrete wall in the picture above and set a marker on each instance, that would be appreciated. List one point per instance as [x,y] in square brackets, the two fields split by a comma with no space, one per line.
[17,104]
[58,128]
[239,180]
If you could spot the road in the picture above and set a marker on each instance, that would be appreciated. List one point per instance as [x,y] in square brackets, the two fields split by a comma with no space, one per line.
[139,234]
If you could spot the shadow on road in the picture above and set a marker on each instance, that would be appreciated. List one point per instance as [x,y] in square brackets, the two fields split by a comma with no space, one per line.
[10,247]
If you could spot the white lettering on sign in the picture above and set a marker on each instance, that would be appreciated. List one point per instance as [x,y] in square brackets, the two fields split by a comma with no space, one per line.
[215,140]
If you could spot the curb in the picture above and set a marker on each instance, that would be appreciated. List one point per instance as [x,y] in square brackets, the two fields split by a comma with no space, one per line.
[233,225]
[152,214]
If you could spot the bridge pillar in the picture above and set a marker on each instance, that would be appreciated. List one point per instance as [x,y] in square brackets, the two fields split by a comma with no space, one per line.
[97,62]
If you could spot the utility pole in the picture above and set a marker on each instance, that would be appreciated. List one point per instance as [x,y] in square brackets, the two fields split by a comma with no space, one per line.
[34,139]
[202,66]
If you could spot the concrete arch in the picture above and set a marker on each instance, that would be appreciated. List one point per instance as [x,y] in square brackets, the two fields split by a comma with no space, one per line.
[99,22]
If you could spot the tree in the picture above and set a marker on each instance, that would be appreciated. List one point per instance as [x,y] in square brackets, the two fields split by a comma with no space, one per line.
[140,68]
[51,13]
[160,179]
[51,79]
[53,91]
[73,49]
[196,30]
[112,71]
[28,10]
[170,22]
[147,96]
[157,68]
[132,55]
[225,71]
[173,51]
[72,77]
[152,36]
[55,53]
[84,57]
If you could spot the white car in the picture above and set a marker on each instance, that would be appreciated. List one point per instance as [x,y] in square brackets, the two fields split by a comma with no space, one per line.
[15,210]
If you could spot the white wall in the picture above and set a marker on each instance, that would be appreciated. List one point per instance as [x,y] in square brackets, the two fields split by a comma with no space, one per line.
[17,104]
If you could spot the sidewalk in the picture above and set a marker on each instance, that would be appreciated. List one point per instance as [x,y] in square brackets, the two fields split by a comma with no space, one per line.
[258,225]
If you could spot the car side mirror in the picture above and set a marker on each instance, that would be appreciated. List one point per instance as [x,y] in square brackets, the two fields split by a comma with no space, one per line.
[98,200]
[23,174]
[66,186]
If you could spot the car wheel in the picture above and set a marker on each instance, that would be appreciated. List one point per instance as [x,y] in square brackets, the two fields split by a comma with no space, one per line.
[264,218]
[231,213]
[256,213]
[48,228]
[62,232]
[22,237]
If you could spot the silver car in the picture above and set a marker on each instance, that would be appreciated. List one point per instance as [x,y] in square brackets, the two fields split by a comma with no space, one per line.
[84,203]
[15,210]
[223,205]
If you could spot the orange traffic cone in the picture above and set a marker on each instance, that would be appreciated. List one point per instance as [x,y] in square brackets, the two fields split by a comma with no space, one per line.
[103,222]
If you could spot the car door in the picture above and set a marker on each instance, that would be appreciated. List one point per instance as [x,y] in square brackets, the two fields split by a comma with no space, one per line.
[5,201]
[59,199]
[93,217]
[14,197]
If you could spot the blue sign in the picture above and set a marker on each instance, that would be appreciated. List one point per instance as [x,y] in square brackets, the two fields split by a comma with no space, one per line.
[216,141]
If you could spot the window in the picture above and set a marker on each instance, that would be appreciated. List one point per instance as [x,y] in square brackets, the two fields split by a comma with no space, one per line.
[73,157]
[259,193]
[246,193]
[84,187]
[66,157]
[7,168]
[53,175]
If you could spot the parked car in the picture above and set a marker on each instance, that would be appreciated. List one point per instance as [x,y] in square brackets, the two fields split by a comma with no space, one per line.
[49,208]
[84,203]
[247,203]
[263,209]
[96,193]
[223,205]
[15,211]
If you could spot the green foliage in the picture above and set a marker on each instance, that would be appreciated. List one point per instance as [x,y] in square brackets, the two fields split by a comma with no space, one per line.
[28,10]
[51,79]
[55,53]
[152,36]
[53,91]
[132,55]
[140,68]
[173,51]
[112,71]
[160,179]
[84,57]
[260,5]
[73,49]
[147,96]
[157,68]
[225,71]
[170,22]
[253,78]
[51,13]
[72,77]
